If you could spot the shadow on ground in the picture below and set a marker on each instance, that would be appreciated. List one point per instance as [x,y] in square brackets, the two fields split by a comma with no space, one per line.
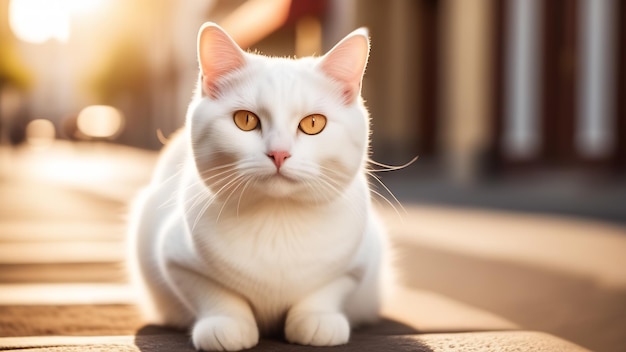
[387,335]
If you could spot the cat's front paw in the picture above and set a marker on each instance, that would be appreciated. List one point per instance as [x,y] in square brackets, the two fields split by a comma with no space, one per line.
[317,329]
[221,333]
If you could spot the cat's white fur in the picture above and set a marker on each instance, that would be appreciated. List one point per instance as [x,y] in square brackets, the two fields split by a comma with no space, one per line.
[232,246]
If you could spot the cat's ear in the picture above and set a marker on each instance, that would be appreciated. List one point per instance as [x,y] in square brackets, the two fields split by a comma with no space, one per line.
[218,55]
[346,63]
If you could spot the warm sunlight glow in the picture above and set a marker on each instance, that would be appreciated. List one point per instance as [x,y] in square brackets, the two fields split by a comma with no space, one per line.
[100,121]
[80,7]
[36,21]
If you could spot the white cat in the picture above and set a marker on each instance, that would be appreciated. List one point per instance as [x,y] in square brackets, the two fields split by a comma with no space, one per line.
[258,219]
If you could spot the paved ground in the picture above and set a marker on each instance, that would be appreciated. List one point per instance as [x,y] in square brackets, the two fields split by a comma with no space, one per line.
[61,258]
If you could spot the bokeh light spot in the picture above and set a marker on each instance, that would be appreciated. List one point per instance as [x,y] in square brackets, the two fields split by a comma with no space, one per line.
[40,133]
[100,121]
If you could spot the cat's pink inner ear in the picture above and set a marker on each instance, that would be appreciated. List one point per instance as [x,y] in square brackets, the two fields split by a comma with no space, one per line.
[346,63]
[218,55]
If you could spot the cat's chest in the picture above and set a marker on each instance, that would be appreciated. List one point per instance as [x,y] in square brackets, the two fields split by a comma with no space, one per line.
[281,251]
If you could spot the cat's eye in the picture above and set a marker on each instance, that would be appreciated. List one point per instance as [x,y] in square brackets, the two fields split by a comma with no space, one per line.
[246,120]
[313,124]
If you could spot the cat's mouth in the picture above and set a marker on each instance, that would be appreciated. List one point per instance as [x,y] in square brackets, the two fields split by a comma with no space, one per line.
[278,184]
[281,177]
[279,180]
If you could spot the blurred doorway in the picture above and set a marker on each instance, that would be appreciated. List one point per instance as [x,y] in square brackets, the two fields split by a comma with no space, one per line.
[559,84]
[428,13]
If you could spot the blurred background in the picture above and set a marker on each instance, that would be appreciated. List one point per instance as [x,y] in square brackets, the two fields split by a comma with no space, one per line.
[487,93]
[516,109]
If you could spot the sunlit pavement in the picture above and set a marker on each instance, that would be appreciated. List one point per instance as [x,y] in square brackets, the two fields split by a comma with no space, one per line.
[62,215]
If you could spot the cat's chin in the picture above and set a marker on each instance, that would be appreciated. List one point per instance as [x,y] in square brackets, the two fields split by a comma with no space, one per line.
[283,186]
[280,185]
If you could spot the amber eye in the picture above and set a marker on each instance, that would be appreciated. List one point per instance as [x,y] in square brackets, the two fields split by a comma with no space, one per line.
[313,124]
[246,120]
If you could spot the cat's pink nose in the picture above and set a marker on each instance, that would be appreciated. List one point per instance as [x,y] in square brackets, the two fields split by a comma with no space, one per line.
[278,157]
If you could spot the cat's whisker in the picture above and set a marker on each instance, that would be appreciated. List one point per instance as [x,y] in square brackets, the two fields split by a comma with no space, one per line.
[209,178]
[328,182]
[191,185]
[387,201]
[250,179]
[385,167]
[196,200]
[315,192]
[237,183]
[207,198]
[331,182]
[203,182]
[171,200]
[381,183]
[219,167]
[211,198]
[215,195]
[231,170]
[203,210]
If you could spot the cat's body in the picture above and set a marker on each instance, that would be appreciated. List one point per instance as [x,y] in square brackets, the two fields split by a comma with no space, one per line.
[258,223]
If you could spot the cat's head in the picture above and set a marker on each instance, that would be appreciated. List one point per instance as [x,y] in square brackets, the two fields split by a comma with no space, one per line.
[279,127]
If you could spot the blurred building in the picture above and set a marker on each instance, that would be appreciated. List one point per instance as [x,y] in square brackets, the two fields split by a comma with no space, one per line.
[476,87]
[495,86]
